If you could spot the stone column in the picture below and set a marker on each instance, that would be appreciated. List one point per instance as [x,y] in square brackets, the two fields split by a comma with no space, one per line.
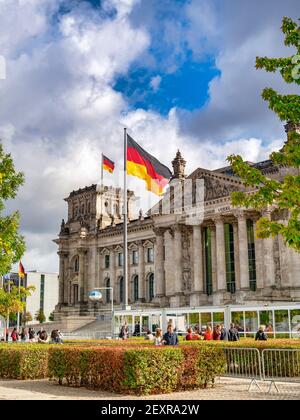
[198,262]
[269,263]
[169,266]
[214,259]
[259,256]
[243,250]
[159,271]
[141,270]
[177,260]
[237,259]
[220,255]
[81,282]
[61,277]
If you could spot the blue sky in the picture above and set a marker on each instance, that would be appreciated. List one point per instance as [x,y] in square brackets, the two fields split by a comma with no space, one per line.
[177,73]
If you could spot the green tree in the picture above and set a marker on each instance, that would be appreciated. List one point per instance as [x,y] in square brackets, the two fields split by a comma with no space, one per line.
[40,316]
[27,317]
[51,317]
[266,192]
[12,244]
[13,301]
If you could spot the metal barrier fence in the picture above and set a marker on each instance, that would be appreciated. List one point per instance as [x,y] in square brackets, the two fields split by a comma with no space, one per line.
[244,363]
[271,366]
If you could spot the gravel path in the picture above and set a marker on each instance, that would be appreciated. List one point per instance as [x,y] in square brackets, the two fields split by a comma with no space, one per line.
[226,389]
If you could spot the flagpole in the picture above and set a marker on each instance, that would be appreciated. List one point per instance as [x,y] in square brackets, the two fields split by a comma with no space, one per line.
[125,249]
[18,319]
[101,171]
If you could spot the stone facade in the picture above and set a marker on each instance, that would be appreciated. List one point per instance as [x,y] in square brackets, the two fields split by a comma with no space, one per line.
[215,260]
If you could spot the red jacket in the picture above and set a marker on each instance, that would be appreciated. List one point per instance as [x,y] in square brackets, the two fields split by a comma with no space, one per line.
[208,336]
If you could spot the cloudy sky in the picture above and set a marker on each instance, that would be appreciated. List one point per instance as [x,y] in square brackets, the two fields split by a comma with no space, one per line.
[177,73]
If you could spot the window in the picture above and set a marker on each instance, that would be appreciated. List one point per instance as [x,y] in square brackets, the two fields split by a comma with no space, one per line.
[135,257]
[151,287]
[42,292]
[76,265]
[208,261]
[89,207]
[229,258]
[150,255]
[107,261]
[108,291]
[120,259]
[82,208]
[251,255]
[136,288]
[121,290]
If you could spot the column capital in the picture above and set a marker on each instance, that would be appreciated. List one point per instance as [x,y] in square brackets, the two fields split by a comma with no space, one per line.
[240,215]
[64,254]
[218,219]
[82,251]
[159,231]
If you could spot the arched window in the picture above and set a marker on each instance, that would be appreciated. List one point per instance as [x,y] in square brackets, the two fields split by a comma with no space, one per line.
[121,290]
[108,291]
[136,288]
[89,207]
[151,287]
[82,208]
[76,265]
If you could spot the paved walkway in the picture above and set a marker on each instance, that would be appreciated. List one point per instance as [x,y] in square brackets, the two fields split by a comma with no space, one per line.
[226,389]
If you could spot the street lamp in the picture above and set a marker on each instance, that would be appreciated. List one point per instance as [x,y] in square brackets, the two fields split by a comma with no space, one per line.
[97,297]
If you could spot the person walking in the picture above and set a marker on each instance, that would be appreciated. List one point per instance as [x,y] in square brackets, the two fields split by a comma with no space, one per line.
[261,335]
[170,337]
[208,336]
[233,334]
[158,337]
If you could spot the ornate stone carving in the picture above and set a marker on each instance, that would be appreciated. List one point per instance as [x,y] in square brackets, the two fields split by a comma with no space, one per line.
[216,189]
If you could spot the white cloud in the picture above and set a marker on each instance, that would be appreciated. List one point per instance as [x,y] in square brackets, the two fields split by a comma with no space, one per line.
[155,82]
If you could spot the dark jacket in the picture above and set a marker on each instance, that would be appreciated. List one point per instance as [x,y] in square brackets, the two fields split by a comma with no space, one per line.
[261,336]
[233,334]
[171,339]
[224,335]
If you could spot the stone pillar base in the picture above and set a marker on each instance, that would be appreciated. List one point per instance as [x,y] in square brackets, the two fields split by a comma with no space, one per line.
[177,301]
[198,299]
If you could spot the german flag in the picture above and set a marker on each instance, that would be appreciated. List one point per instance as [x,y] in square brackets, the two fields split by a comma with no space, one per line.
[108,164]
[145,166]
[21,270]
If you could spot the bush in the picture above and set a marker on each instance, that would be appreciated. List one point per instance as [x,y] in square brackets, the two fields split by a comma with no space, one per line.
[146,370]
[23,361]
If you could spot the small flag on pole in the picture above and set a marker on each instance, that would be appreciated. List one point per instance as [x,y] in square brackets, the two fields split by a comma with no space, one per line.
[145,166]
[21,270]
[108,164]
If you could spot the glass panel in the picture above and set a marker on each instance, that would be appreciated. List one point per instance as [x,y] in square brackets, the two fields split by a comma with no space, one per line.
[237,318]
[117,324]
[181,324]
[218,318]
[229,258]
[145,323]
[205,320]
[251,320]
[208,261]
[194,320]
[281,321]
[137,326]
[155,322]
[295,322]
[266,320]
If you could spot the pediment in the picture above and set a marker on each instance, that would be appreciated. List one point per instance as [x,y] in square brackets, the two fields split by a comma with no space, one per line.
[217,185]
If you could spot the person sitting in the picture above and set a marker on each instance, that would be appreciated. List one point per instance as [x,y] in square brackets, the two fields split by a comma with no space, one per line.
[189,336]
[42,336]
[14,335]
[158,337]
[149,336]
[261,335]
[170,337]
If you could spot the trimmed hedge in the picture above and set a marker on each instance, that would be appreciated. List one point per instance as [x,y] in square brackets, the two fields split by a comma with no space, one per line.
[138,371]
[24,361]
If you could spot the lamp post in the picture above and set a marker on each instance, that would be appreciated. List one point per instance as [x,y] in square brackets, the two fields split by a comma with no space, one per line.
[95,299]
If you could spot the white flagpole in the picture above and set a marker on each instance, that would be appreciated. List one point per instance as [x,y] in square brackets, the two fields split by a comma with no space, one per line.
[101,171]
[125,249]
